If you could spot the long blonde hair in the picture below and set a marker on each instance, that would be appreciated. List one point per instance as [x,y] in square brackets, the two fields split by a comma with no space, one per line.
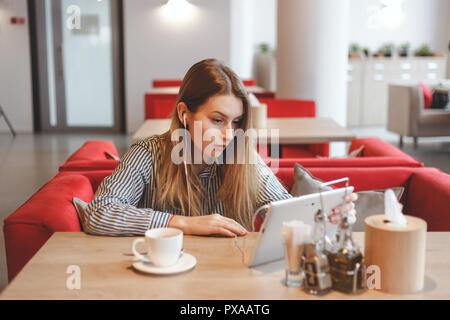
[237,191]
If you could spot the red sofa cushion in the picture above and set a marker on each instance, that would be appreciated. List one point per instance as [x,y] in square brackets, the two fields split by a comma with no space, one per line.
[427,95]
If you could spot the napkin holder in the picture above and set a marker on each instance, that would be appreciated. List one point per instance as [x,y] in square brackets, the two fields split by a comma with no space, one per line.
[399,252]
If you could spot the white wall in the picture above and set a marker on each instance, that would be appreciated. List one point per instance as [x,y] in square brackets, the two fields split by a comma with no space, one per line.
[425,22]
[158,48]
[253,22]
[15,68]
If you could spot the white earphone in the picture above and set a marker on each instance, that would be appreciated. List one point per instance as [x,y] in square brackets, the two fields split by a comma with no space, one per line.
[185,167]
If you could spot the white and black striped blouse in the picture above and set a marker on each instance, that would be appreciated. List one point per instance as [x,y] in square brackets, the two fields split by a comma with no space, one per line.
[125,202]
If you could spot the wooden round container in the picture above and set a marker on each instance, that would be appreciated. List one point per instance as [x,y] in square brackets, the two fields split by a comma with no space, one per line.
[398,252]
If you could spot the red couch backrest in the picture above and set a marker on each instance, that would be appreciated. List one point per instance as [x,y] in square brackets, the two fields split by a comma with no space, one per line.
[162,108]
[374,147]
[285,108]
[92,156]
[428,197]
[361,178]
[372,162]
[166,83]
[94,150]
[159,106]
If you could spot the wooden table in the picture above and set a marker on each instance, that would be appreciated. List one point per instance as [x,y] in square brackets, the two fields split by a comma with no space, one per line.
[291,130]
[106,272]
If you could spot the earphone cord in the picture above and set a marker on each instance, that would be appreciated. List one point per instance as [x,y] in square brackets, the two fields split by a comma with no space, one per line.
[188,185]
[241,249]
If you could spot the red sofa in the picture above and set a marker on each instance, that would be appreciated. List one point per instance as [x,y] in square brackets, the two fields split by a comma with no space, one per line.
[376,153]
[50,209]
[92,156]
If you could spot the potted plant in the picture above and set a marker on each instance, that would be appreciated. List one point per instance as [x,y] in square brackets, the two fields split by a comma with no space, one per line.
[354,52]
[265,67]
[404,49]
[366,52]
[423,51]
[264,47]
[387,50]
[378,54]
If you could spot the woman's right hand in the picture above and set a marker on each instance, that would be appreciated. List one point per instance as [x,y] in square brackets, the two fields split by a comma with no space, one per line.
[208,225]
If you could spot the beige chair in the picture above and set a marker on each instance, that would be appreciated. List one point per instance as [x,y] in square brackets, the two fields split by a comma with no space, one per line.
[407,116]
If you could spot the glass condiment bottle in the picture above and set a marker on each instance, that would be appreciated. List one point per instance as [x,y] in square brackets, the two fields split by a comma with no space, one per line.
[317,278]
[348,271]
[334,244]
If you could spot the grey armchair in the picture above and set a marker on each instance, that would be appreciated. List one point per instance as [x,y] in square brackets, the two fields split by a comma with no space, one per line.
[408,117]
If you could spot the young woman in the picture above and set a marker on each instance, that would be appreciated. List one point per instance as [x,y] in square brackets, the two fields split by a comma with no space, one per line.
[149,189]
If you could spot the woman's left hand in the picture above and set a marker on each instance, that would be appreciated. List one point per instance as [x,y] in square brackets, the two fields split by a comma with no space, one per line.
[347,209]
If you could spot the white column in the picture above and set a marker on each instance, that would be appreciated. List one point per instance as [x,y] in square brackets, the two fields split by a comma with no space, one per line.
[312,54]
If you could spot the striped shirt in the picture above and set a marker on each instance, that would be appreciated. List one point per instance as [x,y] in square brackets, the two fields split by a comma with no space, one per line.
[125,202]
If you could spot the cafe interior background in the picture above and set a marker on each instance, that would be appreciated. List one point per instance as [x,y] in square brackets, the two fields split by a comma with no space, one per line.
[341,54]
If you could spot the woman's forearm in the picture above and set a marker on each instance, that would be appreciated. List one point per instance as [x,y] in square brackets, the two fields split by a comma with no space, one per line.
[116,219]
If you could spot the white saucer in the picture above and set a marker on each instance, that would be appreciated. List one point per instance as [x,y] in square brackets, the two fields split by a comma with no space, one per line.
[185,263]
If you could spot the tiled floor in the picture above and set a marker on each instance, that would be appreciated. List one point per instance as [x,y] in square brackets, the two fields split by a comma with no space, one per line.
[28,161]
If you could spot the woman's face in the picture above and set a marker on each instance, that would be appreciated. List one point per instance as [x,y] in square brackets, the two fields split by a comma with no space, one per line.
[220,113]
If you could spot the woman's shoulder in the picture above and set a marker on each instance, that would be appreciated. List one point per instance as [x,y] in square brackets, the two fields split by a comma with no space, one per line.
[151,145]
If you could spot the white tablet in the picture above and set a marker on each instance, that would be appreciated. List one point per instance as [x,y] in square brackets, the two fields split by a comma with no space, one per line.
[269,243]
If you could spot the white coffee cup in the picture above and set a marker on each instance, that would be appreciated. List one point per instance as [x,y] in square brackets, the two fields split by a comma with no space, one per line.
[163,246]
